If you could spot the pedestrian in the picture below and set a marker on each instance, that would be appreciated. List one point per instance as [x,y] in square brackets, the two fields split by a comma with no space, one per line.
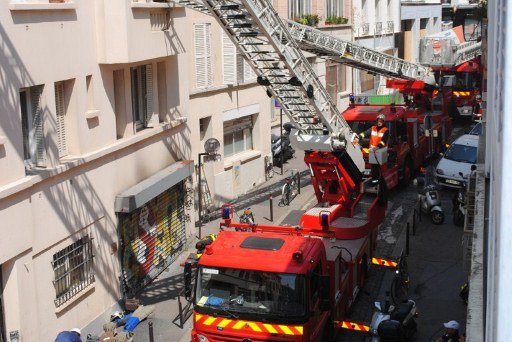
[451,333]
[379,136]
[72,335]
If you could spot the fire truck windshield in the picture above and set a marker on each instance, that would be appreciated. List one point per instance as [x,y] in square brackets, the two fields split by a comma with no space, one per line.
[466,81]
[243,292]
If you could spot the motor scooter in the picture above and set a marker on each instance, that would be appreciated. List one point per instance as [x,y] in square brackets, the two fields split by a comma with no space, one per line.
[394,323]
[429,197]
[282,151]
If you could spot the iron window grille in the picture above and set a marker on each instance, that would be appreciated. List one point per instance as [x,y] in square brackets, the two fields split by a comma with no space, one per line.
[72,267]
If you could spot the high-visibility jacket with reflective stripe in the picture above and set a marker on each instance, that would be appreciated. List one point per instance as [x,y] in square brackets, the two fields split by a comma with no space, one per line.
[376,136]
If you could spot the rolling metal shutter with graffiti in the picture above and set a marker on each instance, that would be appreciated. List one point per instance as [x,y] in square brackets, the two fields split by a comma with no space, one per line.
[151,237]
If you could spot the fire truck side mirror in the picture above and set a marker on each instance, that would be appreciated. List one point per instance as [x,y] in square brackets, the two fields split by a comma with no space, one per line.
[325,303]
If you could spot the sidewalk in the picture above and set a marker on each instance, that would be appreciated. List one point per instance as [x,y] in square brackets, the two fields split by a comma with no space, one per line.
[163,291]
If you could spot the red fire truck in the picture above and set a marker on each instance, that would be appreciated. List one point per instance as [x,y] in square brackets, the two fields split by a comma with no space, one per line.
[282,283]
[460,87]
[416,130]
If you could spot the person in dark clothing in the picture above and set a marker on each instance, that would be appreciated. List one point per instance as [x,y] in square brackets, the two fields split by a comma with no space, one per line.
[451,333]
[379,137]
[69,336]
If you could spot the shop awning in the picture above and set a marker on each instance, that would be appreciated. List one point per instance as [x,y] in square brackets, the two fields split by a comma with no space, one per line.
[151,187]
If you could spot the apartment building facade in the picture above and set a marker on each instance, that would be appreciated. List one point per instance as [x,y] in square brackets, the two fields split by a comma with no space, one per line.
[95,159]
[418,19]
[375,25]
[332,17]
[226,103]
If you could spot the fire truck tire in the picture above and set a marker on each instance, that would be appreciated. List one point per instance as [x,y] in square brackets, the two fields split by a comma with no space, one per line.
[406,172]
[328,334]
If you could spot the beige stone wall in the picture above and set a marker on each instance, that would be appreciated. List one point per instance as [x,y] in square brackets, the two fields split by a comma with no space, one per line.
[45,210]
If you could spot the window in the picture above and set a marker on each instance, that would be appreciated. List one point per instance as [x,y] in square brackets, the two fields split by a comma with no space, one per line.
[237,136]
[60,111]
[235,68]
[315,282]
[367,81]
[204,127]
[334,8]
[204,75]
[34,149]
[298,8]
[142,96]
[72,268]
[336,79]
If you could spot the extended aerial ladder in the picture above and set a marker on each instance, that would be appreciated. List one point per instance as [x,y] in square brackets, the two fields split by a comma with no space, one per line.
[273,47]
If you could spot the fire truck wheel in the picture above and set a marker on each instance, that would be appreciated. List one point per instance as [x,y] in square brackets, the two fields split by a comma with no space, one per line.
[406,172]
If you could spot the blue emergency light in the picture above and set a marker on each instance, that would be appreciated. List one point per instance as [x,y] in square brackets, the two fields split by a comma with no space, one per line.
[226,213]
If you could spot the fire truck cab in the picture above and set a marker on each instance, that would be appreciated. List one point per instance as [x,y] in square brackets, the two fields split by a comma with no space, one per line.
[460,86]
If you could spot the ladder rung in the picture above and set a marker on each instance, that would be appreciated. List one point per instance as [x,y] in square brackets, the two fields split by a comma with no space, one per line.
[248,34]
[229,7]
[271,68]
[242,25]
[235,16]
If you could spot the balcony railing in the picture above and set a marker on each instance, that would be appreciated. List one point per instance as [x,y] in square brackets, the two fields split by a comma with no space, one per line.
[365,29]
[390,27]
[378,27]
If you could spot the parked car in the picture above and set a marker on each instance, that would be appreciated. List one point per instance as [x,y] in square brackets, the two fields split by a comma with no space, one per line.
[458,158]
[477,129]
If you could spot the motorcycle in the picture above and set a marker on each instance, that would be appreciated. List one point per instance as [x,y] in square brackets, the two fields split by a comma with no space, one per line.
[281,152]
[429,198]
[459,204]
[394,323]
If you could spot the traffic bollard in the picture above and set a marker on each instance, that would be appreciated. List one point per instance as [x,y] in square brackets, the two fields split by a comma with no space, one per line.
[271,204]
[298,182]
[407,240]
[414,223]
[151,336]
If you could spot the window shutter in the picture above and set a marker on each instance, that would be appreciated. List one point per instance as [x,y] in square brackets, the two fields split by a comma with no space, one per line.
[37,124]
[200,55]
[249,74]
[60,111]
[149,96]
[240,68]
[228,59]
[209,71]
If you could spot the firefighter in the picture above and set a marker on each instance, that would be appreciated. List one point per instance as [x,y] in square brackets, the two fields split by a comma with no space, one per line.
[201,244]
[379,136]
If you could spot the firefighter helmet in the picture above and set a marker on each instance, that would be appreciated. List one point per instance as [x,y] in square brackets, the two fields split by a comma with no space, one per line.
[381,117]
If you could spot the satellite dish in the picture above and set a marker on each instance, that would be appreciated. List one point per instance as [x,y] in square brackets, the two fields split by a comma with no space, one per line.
[211,146]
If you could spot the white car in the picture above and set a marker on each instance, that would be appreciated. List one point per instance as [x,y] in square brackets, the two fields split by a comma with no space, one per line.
[458,159]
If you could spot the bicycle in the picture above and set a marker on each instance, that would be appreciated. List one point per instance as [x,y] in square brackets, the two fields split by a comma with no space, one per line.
[400,284]
[290,184]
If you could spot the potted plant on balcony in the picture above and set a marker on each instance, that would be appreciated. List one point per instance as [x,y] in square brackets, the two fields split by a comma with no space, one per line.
[335,20]
[308,19]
